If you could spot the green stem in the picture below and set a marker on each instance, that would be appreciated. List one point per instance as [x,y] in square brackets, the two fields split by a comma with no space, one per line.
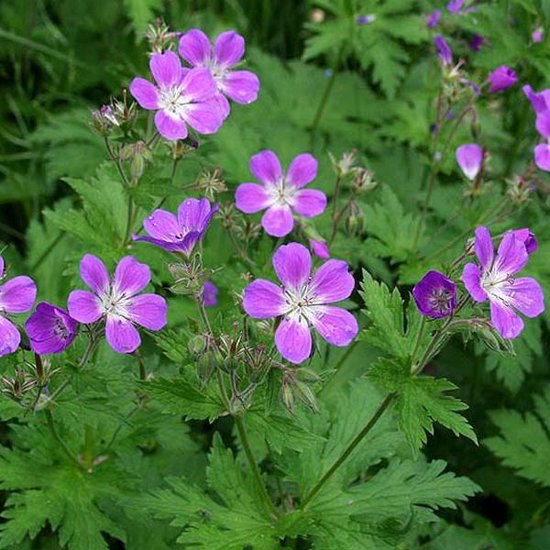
[270,507]
[57,437]
[130,220]
[324,99]
[349,449]
[337,367]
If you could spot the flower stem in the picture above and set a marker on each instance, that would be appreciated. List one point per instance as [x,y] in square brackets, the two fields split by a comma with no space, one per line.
[57,437]
[349,449]
[270,507]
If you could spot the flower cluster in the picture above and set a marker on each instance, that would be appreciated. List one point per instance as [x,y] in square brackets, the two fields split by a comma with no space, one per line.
[493,279]
[196,96]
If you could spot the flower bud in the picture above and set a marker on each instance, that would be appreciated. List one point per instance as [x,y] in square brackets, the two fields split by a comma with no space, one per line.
[363,181]
[211,183]
[344,165]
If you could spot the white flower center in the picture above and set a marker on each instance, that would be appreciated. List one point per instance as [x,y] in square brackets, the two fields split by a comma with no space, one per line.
[114,303]
[172,101]
[302,302]
[497,285]
[281,194]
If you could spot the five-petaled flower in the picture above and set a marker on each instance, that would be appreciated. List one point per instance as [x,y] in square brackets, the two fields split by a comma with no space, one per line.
[281,194]
[435,295]
[117,301]
[182,97]
[302,302]
[50,329]
[16,296]
[495,280]
[182,232]
[470,159]
[228,50]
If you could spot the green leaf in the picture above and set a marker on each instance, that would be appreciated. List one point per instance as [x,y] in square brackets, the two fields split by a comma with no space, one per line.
[141,12]
[184,396]
[524,440]
[421,401]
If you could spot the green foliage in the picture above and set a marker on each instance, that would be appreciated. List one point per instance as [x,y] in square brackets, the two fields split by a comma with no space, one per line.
[524,440]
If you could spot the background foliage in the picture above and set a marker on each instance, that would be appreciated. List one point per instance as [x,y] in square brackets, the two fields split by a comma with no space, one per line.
[165,465]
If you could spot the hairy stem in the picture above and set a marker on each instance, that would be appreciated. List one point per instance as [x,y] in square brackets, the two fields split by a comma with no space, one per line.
[268,503]
[349,449]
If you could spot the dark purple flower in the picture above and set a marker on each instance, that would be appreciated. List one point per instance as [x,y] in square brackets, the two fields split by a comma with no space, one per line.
[182,232]
[302,302]
[433,19]
[281,194]
[495,280]
[527,237]
[50,329]
[470,159]
[501,78]
[455,6]
[209,294]
[476,42]
[228,50]
[443,50]
[182,97]
[16,296]
[435,295]
[117,301]
[319,248]
[365,19]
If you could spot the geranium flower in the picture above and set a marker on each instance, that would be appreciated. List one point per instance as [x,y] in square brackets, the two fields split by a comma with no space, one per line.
[527,237]
[302,300]
[117,301]
[16,296]
[182,97]
[209,294]
[470,159]
[501,79]
[281,194]
[443,50]
[228,50]
[495,280]
[455,6]
[50,329]
[433,19]
[541,105]
[182,232]
[435,295]
[319,248]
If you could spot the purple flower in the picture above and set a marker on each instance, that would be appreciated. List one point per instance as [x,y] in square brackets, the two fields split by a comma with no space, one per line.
[50,329]
[455,6]
[182,97]
[435,295]
[228,50]
[433,19]
[527,237]
[501,78]
[117,301]
[302,302]
[209,294]
[542,156]
[539,100]
[495,280]
[470,159]
[182,232]
[537,35]
[365,19]
[443,50]
[319,248]
[476,42]
[281,194]
[16,296]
